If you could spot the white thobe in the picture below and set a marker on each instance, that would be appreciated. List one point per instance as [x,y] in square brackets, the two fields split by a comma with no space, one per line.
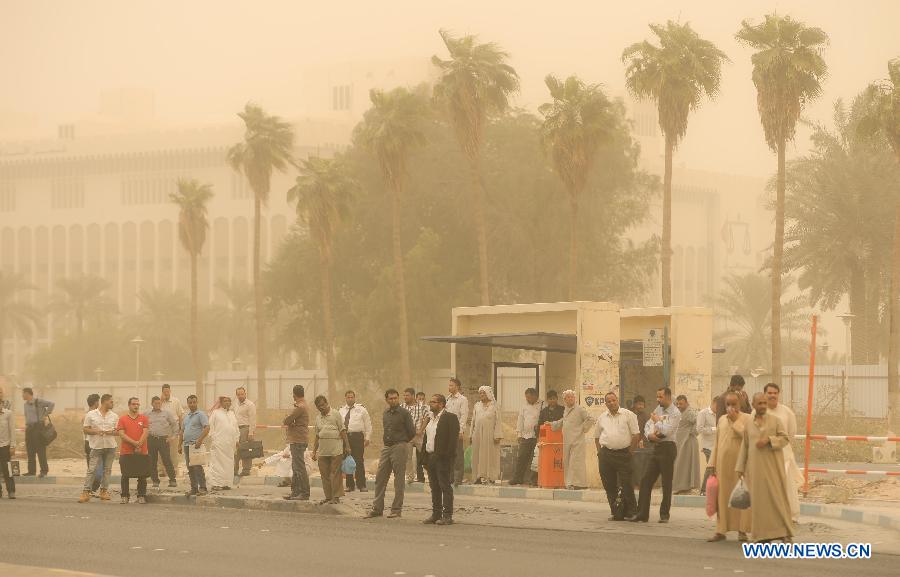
[575,423]
[223,434]
[793,477]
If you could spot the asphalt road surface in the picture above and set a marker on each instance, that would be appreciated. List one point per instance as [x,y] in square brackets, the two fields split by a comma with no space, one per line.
[155,540]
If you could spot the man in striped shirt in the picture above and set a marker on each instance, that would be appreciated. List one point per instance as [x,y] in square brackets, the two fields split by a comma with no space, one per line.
[419,412]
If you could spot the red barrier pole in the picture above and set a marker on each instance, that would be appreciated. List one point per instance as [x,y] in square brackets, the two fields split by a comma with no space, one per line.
[809,404]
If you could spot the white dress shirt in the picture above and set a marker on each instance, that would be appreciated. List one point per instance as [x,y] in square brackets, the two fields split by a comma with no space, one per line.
[431,431]
[7,428]
[246,414]
[666,425]
[360,421]
[174,406]
[615,431]
[458,404]
[528,419]
[706,426]
[95,420]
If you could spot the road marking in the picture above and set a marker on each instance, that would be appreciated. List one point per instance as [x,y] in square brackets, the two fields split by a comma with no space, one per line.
[399,572]
[224,527]
[138,547]
[159,549]
[493,549]
[263,530]
[708,568]
[85,517]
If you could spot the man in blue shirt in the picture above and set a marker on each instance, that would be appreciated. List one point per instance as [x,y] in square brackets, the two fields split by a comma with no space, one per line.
[660,432]
[194,429]
[36,413]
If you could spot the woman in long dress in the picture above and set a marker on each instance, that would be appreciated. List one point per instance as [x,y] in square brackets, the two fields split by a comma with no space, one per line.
[727,447]
[486,433]
[224,435]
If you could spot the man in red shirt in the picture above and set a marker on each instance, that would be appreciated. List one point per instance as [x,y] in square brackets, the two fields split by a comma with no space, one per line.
[134,461]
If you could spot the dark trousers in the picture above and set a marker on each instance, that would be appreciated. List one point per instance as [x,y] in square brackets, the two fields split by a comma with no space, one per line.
[420,465]
[441,488]
[459,464]
[35,447]
[357,451]
[299,476]
[141,486]
[95,484]
[706,452]
[615,472]
[195,473]
[245,464]
[158,447]
[661,463]
[523,463]
[5,472]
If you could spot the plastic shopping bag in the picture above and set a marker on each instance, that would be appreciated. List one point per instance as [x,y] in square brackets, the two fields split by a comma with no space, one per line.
[348,467]
[712,495]
[740,497]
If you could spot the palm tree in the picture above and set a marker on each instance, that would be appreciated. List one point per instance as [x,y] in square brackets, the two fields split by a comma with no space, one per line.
[746,306]
[80,298]
[268,146]
[192,198]
[576,123]
[238,317]
[788,70]
[884,119]
[475,82]
[16,317]
[161,321]
[391,129]
[322,193]
[676,74]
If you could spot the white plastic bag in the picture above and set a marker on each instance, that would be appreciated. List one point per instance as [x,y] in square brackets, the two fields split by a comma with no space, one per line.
[740,496]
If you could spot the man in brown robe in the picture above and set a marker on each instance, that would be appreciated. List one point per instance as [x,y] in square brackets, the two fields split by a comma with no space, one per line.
[726,449]
[761,464]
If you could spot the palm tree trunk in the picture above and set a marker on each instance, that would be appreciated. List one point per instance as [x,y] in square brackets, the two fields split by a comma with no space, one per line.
[481,226]
[894,342]
[400,288]
[666,248]
[858,308]
[777,259]
[573,244]
[79,327]
[261,397]
[195,331]
[327,321]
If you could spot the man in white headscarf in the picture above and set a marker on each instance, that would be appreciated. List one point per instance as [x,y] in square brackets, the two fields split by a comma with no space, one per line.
[575,423]
[486,434]
[224,435]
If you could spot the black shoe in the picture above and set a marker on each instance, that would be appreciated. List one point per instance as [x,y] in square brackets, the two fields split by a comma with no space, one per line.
[394,515]
[664,519]
[630,518]
[614,518]
[191,493]
[28,474]
[349,489]
[444,521]
[295,498]
[372,515]
[514,483]
[244,474]
[202,493]
[363,490]
[431,520]
[12,496]
[42,475]
[637,520]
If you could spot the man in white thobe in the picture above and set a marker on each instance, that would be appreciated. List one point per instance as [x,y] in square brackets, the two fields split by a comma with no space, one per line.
[793,477]
[575,423]
[224,434]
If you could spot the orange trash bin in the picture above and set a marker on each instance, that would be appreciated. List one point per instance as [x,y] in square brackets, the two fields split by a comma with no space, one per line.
[550,461]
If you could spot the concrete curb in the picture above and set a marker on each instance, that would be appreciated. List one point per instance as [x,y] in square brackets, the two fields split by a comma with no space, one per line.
[851,514]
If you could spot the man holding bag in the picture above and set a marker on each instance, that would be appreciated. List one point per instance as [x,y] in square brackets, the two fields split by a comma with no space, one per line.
[725,451]
[761,464]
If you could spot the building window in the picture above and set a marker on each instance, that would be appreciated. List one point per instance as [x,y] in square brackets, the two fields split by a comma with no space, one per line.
[341,97]
[141,190]
[7,197]
[67,193]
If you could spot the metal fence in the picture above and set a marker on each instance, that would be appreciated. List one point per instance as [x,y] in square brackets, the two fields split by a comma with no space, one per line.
[861,393]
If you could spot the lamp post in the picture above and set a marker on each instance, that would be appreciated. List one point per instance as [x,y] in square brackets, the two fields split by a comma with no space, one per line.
[756,373]
[847,317]
[137,342]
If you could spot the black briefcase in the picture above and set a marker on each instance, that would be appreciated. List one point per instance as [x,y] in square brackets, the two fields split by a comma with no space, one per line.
[250,450]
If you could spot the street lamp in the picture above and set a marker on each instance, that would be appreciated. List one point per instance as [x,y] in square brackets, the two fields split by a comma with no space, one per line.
[756,373]
[137,342]
[99,372]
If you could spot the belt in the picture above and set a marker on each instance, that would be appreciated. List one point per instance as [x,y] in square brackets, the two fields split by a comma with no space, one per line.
[614,450]
[160,436]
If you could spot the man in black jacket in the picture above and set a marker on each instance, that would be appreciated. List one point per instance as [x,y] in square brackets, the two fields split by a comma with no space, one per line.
[439,447]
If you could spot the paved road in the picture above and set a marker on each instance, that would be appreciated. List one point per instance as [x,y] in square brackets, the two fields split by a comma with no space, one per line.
[154,540]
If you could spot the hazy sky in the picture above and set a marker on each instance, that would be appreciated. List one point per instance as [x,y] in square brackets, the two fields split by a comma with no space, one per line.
[204,59]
